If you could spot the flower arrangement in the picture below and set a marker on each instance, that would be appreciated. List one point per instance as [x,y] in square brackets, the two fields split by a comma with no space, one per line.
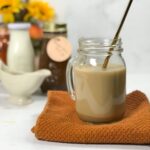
[25,11]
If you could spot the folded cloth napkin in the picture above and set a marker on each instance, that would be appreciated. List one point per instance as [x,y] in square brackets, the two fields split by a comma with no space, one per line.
[59,122]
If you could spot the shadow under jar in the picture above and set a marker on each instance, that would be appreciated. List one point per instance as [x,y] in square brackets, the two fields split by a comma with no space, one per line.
[99,93]
[56,36]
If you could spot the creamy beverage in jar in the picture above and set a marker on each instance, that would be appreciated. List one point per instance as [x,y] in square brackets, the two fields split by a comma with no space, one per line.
[100,93]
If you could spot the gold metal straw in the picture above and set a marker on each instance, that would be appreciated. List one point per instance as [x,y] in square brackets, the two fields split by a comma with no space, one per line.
[106,61]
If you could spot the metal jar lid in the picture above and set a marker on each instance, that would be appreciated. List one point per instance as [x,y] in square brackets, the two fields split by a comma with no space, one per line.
[61,27]
[53,27]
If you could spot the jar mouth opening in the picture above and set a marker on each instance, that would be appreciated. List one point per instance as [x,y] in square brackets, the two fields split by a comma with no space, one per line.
[100,44]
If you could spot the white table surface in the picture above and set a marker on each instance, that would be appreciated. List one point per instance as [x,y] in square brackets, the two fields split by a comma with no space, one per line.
[16,122]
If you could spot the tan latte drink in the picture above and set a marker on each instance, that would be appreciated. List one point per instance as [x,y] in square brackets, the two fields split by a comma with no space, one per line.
[100,93]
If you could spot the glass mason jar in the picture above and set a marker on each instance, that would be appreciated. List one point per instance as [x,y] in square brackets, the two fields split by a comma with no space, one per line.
[99,92]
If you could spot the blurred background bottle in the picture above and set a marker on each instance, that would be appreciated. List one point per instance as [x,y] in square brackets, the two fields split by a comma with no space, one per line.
[56,51]
[4,37]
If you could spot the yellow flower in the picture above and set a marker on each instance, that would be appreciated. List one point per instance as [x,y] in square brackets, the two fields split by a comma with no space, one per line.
[39,10]
[8,18]
[8,7]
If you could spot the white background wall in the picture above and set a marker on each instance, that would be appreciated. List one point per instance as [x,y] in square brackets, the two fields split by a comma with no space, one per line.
[100,18]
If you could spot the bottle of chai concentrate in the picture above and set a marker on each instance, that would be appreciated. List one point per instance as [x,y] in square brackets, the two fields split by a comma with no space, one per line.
[56,52]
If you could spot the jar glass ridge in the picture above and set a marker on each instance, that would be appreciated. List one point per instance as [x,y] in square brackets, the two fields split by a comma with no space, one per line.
[99,45]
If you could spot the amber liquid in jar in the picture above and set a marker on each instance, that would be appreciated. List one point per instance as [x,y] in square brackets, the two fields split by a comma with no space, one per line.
[4,38]
[57,81]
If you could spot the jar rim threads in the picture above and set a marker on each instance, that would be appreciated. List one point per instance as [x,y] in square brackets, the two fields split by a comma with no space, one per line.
[99,45]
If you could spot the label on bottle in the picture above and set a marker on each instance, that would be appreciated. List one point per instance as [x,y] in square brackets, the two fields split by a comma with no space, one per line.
[59,49]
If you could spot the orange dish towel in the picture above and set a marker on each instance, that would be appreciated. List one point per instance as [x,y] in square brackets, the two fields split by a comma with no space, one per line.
[59,122]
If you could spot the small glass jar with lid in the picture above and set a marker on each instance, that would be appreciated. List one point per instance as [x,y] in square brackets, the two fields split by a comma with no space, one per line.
[56,51]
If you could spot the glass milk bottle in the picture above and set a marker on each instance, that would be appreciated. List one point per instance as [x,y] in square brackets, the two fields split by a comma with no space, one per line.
[20,56]
[99,92]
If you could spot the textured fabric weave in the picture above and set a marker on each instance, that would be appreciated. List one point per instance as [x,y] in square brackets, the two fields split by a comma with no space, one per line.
[59,122]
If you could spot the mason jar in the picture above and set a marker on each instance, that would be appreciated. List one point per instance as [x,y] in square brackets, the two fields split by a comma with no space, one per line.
[96,79]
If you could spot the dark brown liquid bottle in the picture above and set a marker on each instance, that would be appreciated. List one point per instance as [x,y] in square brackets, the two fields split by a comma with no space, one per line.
[53,44]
